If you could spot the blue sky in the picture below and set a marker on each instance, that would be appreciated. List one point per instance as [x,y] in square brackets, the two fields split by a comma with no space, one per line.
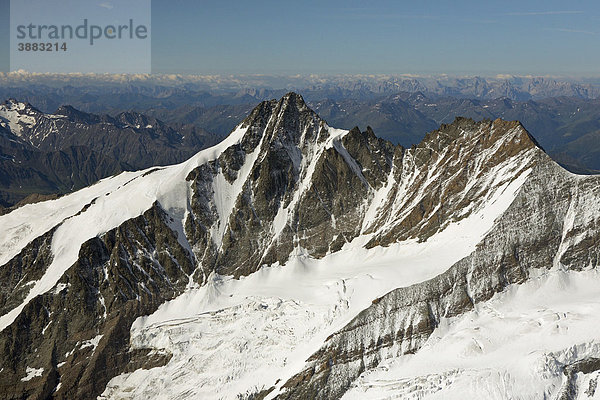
[4,33]
[379,37]
[428,37]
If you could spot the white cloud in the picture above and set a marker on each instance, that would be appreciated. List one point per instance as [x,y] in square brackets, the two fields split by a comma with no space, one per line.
[544,13]
[572,31]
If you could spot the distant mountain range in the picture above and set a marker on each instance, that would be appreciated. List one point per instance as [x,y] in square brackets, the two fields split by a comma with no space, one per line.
[56,153]
[567,127]
[313,86]
[116,123]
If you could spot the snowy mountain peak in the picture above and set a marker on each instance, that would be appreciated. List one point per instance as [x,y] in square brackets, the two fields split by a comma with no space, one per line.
[17,116]
[292,256]
[294,98]
[449,176]
[275,117]
[12,104]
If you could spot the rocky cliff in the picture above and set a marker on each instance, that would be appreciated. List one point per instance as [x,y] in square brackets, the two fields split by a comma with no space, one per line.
[339,249]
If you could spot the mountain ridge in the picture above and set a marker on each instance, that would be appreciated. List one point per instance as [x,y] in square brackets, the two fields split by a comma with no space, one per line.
[287,219]
[47,154]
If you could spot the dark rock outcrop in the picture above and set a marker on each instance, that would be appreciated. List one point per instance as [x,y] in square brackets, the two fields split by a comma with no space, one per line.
[77,334]
[70,149]
[534,233]
[290,183]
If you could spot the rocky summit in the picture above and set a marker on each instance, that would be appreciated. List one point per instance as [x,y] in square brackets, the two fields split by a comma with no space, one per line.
[294,260]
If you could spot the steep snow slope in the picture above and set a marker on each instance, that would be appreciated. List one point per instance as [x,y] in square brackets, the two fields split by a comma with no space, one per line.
[227,272]
[233,337]
[103,207]
[514,346]
[550,229]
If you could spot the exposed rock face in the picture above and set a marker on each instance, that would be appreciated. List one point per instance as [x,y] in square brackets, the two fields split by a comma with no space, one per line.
[133,139]
[77,334]
[61,152]
[446,176]
[401,322]
[294,185]
[287,182]
[26,171]
[299,186]
[26,267]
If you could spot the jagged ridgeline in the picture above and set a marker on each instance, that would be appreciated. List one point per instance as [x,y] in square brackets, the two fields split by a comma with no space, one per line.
[366,246]
[46,155]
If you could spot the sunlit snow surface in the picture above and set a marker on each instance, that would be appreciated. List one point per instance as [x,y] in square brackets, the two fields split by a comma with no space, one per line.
[32,373]
[511,347]
[132,191]
[235,337]
[12,117]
